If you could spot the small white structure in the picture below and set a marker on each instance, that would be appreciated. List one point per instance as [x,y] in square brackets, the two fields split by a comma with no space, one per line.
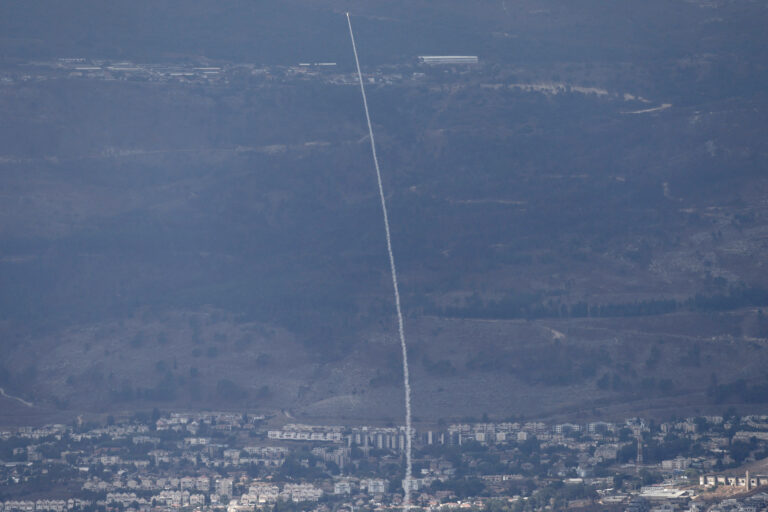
[342,487]
[375,486]
[224,487]
[448,59]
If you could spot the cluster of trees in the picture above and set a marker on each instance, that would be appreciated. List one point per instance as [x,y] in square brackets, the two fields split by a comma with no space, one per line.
[170,387]
[462,487]
[554,496]
[617,382]
[553,364]
[532,306]
[440,368]
[655,451]
[738,390]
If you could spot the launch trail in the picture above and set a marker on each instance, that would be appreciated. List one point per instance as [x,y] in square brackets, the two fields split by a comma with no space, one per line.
[393,269]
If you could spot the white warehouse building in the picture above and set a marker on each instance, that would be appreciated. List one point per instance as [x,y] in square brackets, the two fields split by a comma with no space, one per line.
[448,59]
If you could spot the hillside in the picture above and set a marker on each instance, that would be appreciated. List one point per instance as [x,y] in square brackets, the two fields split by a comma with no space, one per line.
[579,220]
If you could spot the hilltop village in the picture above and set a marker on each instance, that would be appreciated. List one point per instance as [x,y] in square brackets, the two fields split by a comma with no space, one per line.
[198,73]
[238,462]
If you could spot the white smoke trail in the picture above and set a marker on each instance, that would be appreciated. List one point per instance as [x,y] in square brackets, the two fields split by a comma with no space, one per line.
[393,269]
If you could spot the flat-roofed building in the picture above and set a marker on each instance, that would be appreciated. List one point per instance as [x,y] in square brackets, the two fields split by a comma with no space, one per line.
[448,59]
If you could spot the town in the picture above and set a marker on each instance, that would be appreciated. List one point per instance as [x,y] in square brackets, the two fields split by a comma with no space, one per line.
[205,72]
[238,462]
